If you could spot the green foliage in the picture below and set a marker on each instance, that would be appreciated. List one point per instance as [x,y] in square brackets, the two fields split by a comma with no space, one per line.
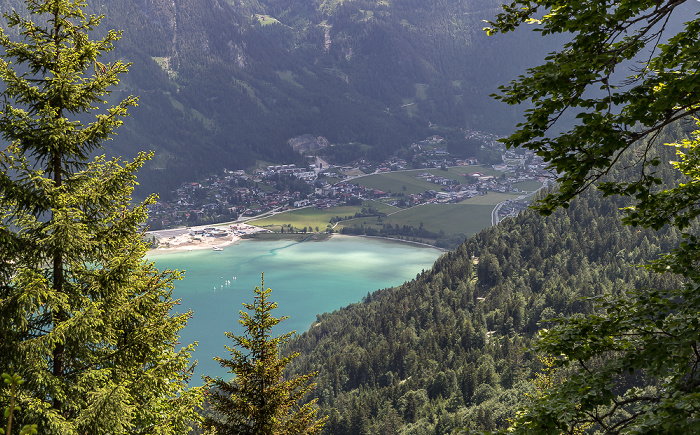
[84,319]
[446,349]
[15,381]
[634,361]
[259,401]
[313,216]
[613,112]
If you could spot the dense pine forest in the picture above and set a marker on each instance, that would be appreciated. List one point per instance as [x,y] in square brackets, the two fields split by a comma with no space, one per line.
[447,350]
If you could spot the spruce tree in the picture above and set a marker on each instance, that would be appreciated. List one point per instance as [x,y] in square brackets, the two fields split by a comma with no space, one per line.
[259,401]
[84,319]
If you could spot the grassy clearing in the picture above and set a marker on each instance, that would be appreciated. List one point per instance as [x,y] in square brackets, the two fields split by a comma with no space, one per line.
[313,217]
[288,76]
[381,207]
[208,123]
[332,180]
[251,94]
[305,217]
[421,91]
[491,198]
[450,218]
[395,181]
[352,173]
[266,20]
[160,160]
[367,14]
[410,106]
[176,104]
[528,186]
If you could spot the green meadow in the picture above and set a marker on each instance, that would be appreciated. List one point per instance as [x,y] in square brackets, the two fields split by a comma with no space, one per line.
[468,217]
[396,181]
[491,198]
[528,186]
[450,218]
[266,20]
[313,217]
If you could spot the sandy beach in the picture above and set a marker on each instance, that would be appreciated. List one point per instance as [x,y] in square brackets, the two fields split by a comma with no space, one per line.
[201,237]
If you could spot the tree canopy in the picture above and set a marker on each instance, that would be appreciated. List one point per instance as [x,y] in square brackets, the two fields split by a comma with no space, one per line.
[621,75]
[625,80]
[259,401]
[84,319]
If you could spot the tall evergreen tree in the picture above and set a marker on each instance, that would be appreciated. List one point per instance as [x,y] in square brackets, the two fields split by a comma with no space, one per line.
[259,401]
[84,319]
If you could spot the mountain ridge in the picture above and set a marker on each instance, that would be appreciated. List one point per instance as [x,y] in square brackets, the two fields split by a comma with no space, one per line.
[227,83]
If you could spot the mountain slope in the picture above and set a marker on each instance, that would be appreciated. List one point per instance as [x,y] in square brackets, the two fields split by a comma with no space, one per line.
[223,83]
[444,351]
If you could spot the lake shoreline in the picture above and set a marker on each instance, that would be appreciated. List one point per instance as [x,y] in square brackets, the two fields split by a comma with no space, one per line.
[307,279]
[193,238]
[393,239]
[261,236]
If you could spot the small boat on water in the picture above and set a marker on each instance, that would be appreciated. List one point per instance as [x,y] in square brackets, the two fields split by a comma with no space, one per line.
[216,248]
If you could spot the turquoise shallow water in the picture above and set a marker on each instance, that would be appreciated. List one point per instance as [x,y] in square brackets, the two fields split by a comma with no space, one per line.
[306,279]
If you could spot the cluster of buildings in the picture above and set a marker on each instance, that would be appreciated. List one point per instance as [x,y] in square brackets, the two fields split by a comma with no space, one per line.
[234,194]
[305,174]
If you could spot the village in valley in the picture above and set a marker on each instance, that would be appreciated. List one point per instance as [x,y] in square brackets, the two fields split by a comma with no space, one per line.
[239,195]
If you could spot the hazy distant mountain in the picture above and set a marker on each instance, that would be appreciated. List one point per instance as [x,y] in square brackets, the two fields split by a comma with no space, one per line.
[225,82]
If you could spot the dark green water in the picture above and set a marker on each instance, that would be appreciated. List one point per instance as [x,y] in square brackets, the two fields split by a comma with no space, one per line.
[306,279]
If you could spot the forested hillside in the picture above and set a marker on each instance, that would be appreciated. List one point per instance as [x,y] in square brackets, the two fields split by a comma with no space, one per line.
[445,350]
[223,83]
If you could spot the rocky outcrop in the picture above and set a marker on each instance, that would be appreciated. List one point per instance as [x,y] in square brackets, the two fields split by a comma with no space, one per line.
[307,142]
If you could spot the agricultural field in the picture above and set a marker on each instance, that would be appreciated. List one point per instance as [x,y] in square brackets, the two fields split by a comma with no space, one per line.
[352,173]
[312,217]
[450,218]
[396,181]
[296,237]
[528,186]
[468,217]
[491,198]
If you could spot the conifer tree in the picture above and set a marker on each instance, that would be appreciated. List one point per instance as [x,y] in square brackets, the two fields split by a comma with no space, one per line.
[259,401]
[84,319]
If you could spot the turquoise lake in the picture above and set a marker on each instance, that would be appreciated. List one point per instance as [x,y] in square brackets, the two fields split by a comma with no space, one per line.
[306,279]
